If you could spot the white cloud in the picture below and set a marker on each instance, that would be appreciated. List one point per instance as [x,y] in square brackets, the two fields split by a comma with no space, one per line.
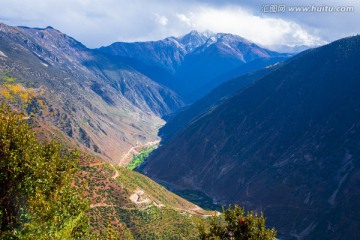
[264,30]
[184,18]
[98,23]
[163,20]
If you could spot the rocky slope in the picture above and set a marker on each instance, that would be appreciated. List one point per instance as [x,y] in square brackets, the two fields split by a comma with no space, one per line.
[133,85]
[287,145]
[105,105]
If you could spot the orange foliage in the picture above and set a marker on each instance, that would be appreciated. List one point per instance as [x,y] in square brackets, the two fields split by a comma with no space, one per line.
[18,94]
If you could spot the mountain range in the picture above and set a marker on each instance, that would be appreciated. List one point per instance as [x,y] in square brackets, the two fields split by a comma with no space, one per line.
[236,124]
[286,144]
[106,106]
[197,61]
[111,101]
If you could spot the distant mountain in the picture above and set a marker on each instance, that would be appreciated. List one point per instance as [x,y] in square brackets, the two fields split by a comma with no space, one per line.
[193,40]
[167,53]
[288,145]
[196,59]
[250,67]
[107,106]
[218,55]
[291,49]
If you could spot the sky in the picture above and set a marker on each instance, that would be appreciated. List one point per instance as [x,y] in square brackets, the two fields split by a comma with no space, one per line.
[98,23]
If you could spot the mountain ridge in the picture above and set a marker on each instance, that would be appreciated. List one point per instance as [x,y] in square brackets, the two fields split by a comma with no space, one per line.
[194,59]
[80,93]
[286,145]
[83,87]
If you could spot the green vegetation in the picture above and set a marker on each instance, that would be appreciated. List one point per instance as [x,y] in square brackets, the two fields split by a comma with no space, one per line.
[234,224]
[101,190]
[171,221]
[163,216]
[37,199]
[139,159]
[6,78]
[159,223]
[132,181]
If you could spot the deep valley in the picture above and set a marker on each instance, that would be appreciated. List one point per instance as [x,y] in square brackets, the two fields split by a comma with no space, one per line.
[150,139]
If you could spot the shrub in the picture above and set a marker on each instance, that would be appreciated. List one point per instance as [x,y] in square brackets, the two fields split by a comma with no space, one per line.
[37,199]
[234,224]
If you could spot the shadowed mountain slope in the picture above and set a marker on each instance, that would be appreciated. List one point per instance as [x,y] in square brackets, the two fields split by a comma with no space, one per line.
[186,116]
[288,145]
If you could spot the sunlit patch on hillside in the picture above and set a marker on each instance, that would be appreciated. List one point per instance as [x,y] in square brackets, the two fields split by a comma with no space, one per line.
[16,94]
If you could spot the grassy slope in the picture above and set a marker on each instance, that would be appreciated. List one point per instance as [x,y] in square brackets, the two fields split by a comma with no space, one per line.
[113,214]
[160,215]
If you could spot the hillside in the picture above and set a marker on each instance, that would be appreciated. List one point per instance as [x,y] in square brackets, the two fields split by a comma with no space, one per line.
[125,204]
[185,116]
[288,145]
[134,205]
[106,106]
[95,200]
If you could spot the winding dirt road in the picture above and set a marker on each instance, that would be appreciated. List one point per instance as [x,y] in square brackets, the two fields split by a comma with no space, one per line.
[135,150]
